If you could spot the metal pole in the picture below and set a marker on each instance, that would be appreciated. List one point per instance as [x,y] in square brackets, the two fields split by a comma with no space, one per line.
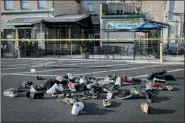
[161,52]
[134,46]
[16,42]
[108,44]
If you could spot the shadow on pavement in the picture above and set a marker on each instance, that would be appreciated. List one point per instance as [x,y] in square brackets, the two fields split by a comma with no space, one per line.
[160,99]
[160,111]
[115,104]
[93,109]
[176,89]
[22,95]
[173,84]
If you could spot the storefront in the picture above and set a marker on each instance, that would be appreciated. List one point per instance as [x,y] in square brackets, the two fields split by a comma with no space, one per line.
[116,29]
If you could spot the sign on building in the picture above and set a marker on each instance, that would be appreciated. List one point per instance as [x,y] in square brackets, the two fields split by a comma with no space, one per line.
[120,25]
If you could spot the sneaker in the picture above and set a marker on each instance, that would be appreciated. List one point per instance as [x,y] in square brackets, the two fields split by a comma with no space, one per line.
[170,88]
[126,81]
[70,101]
[32,89]
[111,88]
[106,103]
[109,95]
[70,76]
[149,86]
[123,95]
[77,107]
[59,78]
[36,95]
[162,81]
[10,92]
[94,97]
[39,78]
[145,108]
[61,95]
[83,80]
[71,87]
[26,84]
[55,94]
[86,94]
[55,88]
[149,95]
[118,81]
[157,86]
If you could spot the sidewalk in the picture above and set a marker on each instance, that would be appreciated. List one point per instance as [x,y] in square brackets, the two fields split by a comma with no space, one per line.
[174,58]
[130,59]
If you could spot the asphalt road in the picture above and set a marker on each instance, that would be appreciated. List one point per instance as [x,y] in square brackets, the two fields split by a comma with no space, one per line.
[168,105]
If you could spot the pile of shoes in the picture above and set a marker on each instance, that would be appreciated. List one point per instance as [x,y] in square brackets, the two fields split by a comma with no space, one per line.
[74,88]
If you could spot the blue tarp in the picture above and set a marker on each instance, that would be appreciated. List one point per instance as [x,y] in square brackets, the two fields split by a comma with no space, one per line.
[149,25]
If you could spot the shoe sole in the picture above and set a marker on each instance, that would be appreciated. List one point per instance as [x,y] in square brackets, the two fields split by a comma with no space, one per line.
[124,97]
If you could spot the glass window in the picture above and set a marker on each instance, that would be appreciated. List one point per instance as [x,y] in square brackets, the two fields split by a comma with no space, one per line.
[8,4]
[25,4]
[41,3]
[90,5]
[171,10]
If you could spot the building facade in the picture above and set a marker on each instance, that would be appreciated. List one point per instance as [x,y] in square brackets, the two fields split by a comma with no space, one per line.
[42,19]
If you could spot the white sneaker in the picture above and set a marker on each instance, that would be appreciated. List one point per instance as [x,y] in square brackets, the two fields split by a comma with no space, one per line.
[118,81]
[70,76]
[170,88]
[10,92]
[32,89]
[83,80]
[55,88]
[77,107]
[149,86]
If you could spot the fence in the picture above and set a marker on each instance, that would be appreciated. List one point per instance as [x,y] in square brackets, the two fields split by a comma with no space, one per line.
[86,48]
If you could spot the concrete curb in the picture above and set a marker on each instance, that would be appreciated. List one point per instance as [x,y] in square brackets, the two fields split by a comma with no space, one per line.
[128,61]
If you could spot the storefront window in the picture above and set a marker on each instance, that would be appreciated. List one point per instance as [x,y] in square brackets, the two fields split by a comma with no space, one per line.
[24,4]
[90,5]
[41,4]
[8,4]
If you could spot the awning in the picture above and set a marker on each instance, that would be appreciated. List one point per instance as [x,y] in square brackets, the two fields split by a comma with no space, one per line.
[3,25]
[66,18]
[149,25]
[33,20]
[25,21]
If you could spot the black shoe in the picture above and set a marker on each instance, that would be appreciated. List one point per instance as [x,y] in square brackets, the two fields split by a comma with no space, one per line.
[40,78]
[32,95]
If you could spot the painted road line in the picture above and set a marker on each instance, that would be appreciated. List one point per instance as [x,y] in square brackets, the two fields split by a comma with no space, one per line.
[76,64]
[18,64]
[21,74]
[14,68]
[45,70]
[118,70]
[65,65]
[75,68]
[111,65]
